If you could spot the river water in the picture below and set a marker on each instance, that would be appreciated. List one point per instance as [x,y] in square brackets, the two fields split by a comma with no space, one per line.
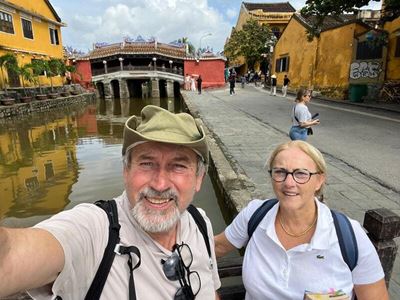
[55,160]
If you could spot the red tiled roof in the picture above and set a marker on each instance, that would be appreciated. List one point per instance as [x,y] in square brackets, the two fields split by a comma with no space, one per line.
[270,7]
[138,48]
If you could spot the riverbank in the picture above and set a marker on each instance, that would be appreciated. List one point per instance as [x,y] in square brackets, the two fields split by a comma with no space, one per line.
[21,109]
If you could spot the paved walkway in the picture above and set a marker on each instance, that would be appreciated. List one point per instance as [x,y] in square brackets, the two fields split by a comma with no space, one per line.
[247,142]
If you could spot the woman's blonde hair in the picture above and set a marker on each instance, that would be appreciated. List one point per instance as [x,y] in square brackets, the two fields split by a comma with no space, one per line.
[308,149]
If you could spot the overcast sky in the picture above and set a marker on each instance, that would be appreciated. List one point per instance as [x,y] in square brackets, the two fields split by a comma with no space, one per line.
[92,21]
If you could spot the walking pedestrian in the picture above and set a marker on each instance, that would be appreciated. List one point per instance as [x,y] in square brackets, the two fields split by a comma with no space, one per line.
[187,82]
[199,82]
[163,254]
[273,85]
[301,117]
[255,78]
[286,82]
[192,84]
[243,81]
[232,79]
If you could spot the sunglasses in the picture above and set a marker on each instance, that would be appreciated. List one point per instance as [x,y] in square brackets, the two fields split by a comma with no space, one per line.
[177,267]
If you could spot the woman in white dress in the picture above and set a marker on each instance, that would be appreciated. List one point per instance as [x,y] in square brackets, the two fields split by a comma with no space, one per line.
[192,84]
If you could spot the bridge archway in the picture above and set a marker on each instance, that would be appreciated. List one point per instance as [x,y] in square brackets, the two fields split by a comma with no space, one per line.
[162,86]
[115,89]
[177,89]
[138,88]
[100,89]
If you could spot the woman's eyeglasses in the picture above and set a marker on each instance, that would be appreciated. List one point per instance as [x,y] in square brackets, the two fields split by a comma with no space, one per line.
[177,267]
[299,175]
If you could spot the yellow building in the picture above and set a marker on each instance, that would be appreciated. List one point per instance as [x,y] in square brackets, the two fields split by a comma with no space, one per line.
[276,15]
[393,61]
[329,64]
[31,30]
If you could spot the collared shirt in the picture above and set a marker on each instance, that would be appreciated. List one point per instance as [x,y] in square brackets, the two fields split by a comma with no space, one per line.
[271,272]
[83,234]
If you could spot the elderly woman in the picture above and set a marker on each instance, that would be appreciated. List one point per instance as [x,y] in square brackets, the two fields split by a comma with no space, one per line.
[295,247]
[301,116]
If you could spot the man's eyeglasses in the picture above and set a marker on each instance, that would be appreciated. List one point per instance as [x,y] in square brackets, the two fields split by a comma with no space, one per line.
[299,175]
[177,267]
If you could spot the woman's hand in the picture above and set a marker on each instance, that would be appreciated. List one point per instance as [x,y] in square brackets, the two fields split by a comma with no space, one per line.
[315,122]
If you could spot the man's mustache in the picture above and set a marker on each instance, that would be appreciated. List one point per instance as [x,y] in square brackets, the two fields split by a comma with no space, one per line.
[151,193]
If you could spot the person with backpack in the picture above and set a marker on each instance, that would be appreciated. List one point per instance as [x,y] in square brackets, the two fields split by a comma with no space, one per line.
[147,243]
[294,247]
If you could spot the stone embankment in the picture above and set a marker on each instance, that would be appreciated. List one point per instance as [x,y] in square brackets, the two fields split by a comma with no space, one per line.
[19,109]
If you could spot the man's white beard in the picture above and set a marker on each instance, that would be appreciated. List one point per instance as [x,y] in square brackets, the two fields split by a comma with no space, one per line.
[154,221]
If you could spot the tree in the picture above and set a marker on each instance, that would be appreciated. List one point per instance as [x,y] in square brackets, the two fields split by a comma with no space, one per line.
[191,48]
[320,9]
[9,62]
[54,68]
[249,42]
[39,67]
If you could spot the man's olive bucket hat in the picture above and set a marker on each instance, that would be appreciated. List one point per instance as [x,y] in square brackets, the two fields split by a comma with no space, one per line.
[159,125]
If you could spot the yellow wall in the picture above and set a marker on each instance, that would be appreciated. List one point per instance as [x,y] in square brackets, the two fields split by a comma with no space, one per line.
[322,64]
[40,46]
[333,63]
[293,43]
[393,63]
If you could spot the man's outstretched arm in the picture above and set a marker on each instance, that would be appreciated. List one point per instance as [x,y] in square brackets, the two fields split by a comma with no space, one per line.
[29,258]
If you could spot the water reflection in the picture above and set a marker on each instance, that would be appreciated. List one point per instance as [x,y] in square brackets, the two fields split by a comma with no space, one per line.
[53,160]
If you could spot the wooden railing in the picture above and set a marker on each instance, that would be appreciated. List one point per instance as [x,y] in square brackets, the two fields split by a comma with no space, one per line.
[382,225]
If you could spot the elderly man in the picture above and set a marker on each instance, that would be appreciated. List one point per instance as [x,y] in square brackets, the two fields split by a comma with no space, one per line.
[165,157]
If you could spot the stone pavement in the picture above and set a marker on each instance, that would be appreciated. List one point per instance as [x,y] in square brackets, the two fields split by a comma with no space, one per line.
[246,144]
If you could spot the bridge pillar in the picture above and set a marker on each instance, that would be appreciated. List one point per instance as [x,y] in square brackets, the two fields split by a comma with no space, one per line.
[155,89]
[170,88]
[123,88]
[107,90]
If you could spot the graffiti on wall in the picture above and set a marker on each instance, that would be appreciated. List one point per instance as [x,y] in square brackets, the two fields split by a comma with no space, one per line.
[365,70]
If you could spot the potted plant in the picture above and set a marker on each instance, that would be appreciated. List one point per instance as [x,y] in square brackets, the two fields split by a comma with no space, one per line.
[8,61]
[54,68]
[25,71]
[38,68]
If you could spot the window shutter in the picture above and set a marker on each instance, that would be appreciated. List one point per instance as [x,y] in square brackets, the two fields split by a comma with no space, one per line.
[56,36]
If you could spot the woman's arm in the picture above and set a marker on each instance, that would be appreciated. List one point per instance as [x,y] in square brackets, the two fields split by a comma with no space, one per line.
[222,245]
[373,291]
[309,123]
